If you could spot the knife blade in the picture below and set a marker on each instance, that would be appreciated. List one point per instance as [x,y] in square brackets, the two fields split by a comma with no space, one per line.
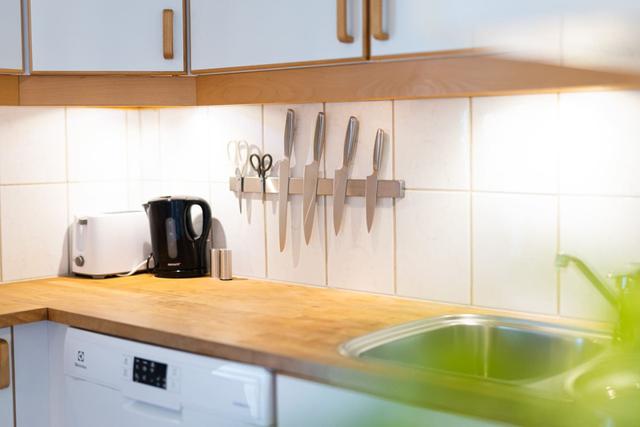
[310,181]
[371,186]
[283,176]
[340,180]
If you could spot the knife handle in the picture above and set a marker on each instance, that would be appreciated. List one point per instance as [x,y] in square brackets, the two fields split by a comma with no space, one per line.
[350,140]
[318,137]
[288,133]
[377,150]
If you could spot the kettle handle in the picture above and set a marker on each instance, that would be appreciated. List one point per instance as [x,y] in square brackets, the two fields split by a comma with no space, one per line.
[206,218]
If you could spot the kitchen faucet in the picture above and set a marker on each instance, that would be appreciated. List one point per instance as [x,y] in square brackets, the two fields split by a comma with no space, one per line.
[626,300]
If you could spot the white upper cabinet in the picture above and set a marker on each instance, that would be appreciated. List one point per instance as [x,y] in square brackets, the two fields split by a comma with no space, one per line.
[10,36]
[6,382]
[400,27]
[107,36]
[408,27]
[237,34]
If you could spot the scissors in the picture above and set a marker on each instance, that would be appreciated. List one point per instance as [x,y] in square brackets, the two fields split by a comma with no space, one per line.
[238,153]
[262,165]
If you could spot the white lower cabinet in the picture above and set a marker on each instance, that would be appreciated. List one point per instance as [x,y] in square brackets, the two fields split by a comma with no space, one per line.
[309,404]
[6,387]
[32,386]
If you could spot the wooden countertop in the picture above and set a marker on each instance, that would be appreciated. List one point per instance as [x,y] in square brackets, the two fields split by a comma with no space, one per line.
[290,329]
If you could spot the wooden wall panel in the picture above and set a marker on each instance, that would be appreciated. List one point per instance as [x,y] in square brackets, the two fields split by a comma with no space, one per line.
[9,90]
[414,78]
[127,91]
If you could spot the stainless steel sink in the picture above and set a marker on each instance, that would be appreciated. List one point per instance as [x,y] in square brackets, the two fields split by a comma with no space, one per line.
[611,378]
[495,348]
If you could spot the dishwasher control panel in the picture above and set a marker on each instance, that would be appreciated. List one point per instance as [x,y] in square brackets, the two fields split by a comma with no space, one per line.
[154,373]
[149,372]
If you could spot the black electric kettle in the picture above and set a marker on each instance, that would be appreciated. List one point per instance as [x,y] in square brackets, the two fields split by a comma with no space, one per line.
[178,249]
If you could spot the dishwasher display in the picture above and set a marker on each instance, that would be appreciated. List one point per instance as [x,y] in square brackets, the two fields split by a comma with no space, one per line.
[114,382]
[149,372]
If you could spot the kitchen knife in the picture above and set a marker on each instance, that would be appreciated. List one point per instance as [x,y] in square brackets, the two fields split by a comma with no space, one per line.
[310,182]
[283,176]
[371,186]
[340,180]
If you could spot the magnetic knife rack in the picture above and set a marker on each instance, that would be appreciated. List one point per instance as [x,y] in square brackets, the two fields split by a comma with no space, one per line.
[355,187]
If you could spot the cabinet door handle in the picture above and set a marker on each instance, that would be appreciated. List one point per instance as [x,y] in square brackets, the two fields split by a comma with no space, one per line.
[343,34]
[376,21]
[5,373]
[167,33]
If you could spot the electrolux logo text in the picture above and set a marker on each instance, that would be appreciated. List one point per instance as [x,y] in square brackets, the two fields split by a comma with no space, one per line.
[80,359]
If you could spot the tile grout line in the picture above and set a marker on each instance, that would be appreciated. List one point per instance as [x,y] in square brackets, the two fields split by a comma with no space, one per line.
[66,177]
[126,155]
[394,244]
[471,193]
[160,157]
[264,206]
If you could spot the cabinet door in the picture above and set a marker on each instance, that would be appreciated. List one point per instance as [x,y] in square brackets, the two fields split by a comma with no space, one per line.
[304,403]
[6,379]
[32,386]
[249,34]
[400,27]
[114,36]
[415,27]
[10,36]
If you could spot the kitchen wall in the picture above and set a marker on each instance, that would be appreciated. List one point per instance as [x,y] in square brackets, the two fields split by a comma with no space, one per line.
[496,186]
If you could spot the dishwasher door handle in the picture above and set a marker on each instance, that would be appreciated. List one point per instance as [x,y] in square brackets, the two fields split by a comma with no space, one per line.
[137,412]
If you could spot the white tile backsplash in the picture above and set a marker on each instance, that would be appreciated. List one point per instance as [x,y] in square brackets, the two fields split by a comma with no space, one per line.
[96,144]
[433,232]
[184,144]
[232,123]
[371,116]
[496,185]
[599,151]
[32,145]
[94,197]
[187,188]
[514,247]
[304,128]
[141,192]
[432,140]
[242,233]
[515,144]
[143,145]
[605,233]
[298,262]
[357,259]
[34,225]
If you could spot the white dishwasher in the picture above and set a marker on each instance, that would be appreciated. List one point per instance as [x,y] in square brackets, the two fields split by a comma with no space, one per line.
[111,382]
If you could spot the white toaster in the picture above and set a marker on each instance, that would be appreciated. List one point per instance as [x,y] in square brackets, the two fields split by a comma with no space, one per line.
[110,243]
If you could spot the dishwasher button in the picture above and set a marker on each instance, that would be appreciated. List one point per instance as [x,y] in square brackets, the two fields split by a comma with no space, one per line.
[173,386]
